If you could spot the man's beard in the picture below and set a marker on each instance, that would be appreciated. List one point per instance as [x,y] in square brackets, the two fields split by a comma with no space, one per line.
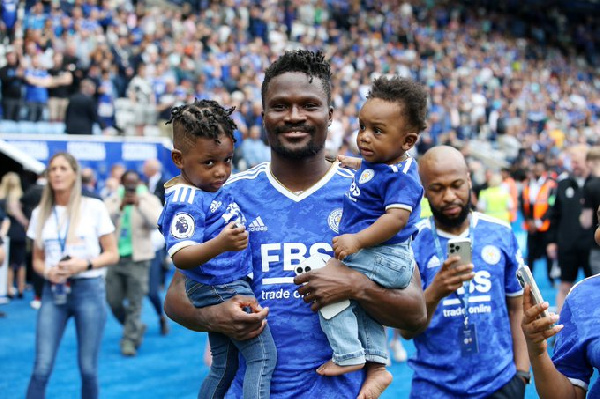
[297,153]
[309,150]
[452,222]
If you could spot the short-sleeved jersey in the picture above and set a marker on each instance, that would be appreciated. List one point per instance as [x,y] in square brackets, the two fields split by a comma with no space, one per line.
[285,228]
[378,187]
[577,345]
[440,368]
[192,216]
[94,222]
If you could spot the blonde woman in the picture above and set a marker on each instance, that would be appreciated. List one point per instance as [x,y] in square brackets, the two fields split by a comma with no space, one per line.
[10,201]
[73,242]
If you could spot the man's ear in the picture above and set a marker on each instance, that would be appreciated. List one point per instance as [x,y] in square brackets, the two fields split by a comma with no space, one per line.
[409,141]
[177,158]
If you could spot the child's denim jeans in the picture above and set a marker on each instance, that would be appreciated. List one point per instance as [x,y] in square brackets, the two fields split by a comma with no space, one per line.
[260,353]
[353,335]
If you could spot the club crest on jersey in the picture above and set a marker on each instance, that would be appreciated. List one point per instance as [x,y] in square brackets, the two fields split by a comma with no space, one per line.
[182,226]
[433,262]
[366,175]
[491,254]
[214,206]
[334,219]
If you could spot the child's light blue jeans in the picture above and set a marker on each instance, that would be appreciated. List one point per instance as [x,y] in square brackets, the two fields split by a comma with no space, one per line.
[260,353]
[353,335]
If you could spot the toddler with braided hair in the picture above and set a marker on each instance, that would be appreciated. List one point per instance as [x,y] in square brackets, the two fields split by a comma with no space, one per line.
[206,237]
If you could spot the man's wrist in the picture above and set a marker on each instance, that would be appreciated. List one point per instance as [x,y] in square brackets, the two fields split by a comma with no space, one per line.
[89,266]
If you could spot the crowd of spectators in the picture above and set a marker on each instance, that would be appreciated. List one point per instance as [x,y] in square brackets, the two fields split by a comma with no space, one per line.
[527,84]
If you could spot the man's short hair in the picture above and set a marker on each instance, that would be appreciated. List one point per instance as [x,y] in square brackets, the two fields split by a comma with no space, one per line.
[410,95]
[593,154]
[310,63]
[204,118]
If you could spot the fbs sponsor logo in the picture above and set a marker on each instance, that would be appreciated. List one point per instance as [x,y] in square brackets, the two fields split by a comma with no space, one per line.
[257,225]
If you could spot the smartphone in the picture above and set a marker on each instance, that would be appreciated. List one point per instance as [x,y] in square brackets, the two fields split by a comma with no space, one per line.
[525,277]
[314,262]
[461,247]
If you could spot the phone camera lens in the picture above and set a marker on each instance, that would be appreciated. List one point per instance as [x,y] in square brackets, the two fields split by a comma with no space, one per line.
[451,246]
[458,247]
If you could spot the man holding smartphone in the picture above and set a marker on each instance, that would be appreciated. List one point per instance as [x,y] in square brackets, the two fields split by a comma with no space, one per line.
[134,211]
[473,345]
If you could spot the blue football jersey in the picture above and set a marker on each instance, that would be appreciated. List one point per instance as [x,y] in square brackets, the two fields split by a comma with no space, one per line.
[378,187]
[192,216]
[285,228]
[577,345]
[440,368]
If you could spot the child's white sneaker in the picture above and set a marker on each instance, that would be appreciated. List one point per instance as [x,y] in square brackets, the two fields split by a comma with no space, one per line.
[398,351]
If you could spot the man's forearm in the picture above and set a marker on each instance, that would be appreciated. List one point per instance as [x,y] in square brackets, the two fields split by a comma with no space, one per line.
[398,308]
[179,308]
[431,303]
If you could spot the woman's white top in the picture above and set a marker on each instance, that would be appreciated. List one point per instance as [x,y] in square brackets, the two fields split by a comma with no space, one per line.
[94,222]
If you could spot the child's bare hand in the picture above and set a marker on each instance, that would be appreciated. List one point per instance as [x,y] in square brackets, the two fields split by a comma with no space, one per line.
[349,162]
[345,245]
[233,237]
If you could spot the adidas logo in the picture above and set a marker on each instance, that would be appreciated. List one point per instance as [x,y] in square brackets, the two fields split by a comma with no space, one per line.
[257,225]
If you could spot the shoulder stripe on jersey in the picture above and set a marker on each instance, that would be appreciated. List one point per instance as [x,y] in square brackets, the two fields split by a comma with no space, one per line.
[585,279]
[345,172]
[491,219]
[249,174]
[409,162]
[423,224]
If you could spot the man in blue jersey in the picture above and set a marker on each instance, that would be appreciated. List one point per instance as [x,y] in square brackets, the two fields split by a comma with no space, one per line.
[473,346]
[293,206]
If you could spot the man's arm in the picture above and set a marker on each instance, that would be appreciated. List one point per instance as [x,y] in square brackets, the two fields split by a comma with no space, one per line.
[515,314]
[399,308]
[228,318]
[446,281]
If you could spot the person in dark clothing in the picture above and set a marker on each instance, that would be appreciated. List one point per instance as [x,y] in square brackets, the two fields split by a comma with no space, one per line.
[591,203]
[88,183]
[82,111]
[568,241]
[30,199]
[11,77]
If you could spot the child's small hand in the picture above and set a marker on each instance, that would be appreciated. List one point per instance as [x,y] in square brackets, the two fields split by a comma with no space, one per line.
[233,237]
[345,245]
[349,162]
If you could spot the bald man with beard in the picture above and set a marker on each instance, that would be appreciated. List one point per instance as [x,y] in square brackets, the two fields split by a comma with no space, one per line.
[473,345]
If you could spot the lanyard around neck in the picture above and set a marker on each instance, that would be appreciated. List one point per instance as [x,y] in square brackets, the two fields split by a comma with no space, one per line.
[464,299]
[62,239]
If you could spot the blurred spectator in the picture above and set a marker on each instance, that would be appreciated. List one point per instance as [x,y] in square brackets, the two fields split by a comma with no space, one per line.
[82,111]
[140,93]
[253,149]
[29,201]
[9,19]
[88,183]
[152,170]
[495,200]
[591,204]
[134,212]
[568,241]
[59,90]
[11,79]
[72,243]
[534,203]
[11,192]
[37,82]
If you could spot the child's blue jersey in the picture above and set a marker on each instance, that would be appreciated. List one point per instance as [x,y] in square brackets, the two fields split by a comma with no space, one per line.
[192,216]
[378,187]
[440,369]
[577,348]
[286,228]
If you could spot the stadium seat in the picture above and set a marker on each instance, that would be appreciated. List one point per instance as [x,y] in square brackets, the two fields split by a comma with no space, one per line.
[7,126]
[26,127]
